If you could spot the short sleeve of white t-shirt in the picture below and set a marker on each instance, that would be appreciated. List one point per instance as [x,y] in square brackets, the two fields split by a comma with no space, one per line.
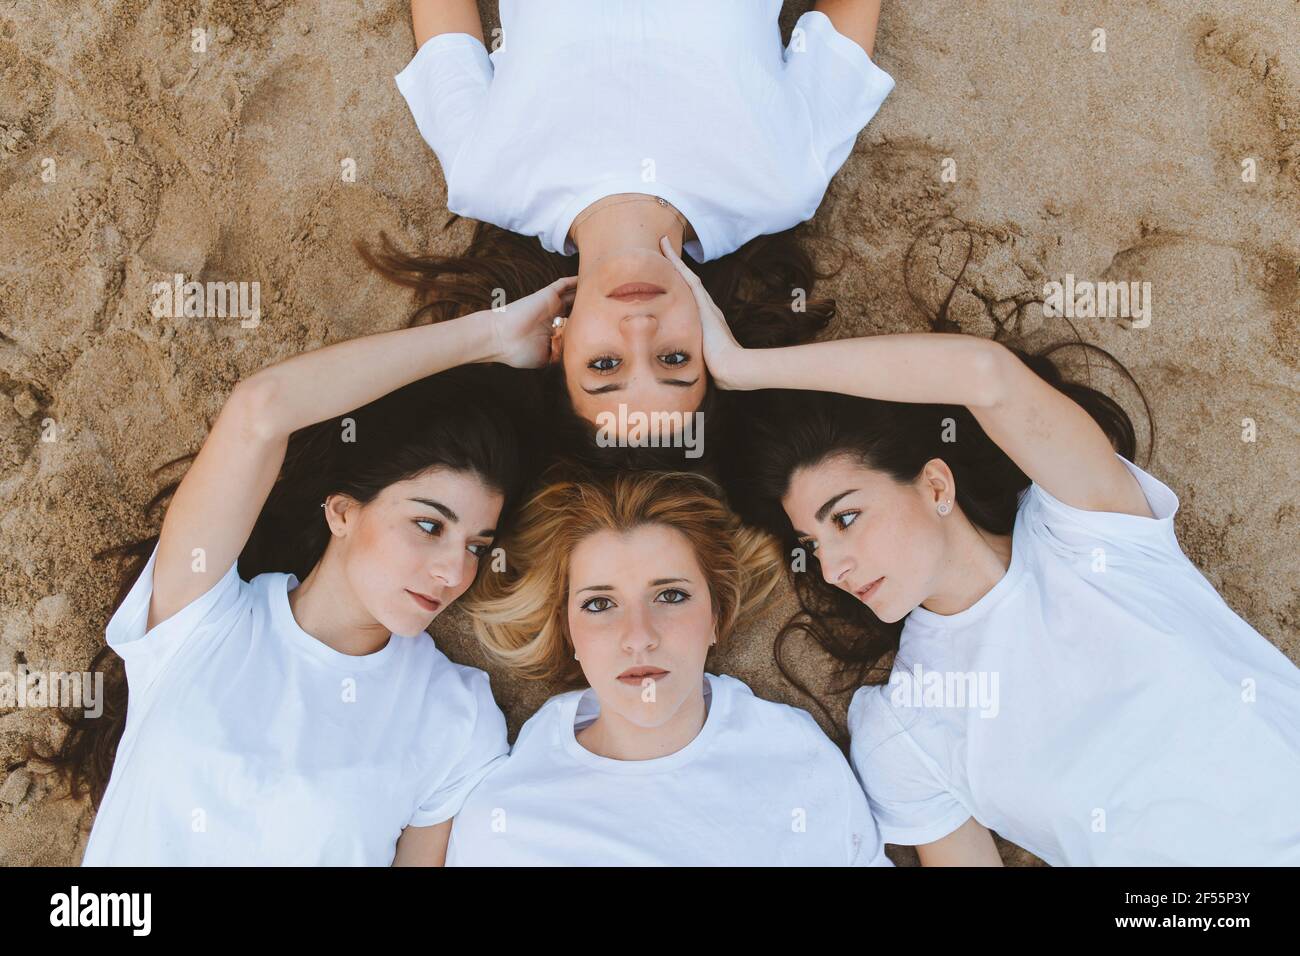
[842,87]
[147,654]
[486,747]
[445,85]
[1066,527]
[298,754]
[698,104]
[906,787]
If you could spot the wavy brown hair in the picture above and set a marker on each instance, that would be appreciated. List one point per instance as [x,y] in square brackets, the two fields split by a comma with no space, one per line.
[520,614]
[475,419]
[785,431]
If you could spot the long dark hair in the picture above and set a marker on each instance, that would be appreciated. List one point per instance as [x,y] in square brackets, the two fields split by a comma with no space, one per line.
[784,431]
[755,287]
[474,419]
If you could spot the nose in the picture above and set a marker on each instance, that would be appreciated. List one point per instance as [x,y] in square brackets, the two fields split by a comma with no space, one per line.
[638,633]
[448,568]
[835,567]
[639,324]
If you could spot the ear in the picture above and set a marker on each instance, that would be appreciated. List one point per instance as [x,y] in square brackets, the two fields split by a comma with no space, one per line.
[340,511]
[938,482]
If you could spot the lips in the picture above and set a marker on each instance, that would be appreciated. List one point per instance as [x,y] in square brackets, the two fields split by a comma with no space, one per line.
[636,292]
[636,676]
[864,594]
[427,603]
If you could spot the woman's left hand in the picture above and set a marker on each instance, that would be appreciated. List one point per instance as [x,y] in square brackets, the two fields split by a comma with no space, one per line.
[723,355]
[522,330]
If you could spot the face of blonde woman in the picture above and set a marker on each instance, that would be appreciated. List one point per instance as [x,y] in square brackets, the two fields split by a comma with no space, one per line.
[641,619]
[633,337]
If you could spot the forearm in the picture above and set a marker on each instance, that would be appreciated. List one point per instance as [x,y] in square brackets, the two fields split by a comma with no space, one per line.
[320,384]
[431,17]
[855,19]
[970,844]
[928,367]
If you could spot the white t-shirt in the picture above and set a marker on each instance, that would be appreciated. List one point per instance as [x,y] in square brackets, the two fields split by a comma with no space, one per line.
[760,785]
[250,742]
[694,102]
[1116,711]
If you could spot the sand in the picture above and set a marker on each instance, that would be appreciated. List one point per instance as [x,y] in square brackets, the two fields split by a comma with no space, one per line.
[1123,165]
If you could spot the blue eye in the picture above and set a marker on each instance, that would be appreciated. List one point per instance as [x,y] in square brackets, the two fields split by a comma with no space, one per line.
[588,605]
[604,364]
[681,358]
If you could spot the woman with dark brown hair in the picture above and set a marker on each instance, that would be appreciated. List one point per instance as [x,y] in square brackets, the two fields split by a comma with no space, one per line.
[599,127]
[282,703]
[1062,674]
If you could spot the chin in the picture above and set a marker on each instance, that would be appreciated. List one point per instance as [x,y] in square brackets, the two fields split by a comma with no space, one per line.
[888,614]
[407,627]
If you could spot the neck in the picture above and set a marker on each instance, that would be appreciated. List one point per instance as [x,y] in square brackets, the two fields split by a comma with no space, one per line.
[974,561]
[613,736]
[624,222]
[325,606]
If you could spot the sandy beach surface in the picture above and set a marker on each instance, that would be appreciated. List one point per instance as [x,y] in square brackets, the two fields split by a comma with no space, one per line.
[127,157]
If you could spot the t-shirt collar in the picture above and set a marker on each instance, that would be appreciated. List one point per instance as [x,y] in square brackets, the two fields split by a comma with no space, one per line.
[716,716]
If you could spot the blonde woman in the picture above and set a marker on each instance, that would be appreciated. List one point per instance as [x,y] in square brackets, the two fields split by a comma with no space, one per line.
[625,585]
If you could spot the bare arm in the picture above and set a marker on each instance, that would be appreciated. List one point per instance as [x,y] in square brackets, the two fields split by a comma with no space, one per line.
[423,846]
[855,19]
[1049,437]
[431,17]
[969,845]
[217,503]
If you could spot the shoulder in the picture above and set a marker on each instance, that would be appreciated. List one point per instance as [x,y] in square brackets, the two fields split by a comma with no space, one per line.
[454,683]
[817,51]
[266,587]
[1072,526]
[770,721]
[546,722]
[882,714]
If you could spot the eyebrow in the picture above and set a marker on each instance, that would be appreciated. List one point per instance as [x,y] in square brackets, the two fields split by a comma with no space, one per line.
[657,582]
[451,515]
[824,510]
[677,382]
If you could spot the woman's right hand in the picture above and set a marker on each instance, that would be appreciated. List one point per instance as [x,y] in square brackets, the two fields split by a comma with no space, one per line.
[523,329]
[723,355]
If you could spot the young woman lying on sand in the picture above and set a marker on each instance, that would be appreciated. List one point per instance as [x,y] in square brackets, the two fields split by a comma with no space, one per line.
[1114,710]
[625,585]
[286,706]
[597,127]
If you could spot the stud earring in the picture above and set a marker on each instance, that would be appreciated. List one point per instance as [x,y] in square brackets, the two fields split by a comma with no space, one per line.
[944,507]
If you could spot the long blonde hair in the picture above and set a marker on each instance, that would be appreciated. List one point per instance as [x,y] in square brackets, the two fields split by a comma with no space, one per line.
[520,614]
